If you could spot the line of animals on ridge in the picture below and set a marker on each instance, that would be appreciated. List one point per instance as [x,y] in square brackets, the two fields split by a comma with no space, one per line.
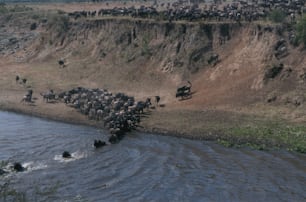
[119,112]
[237,11]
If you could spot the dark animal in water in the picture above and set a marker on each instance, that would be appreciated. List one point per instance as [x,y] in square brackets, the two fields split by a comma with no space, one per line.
[99,143]
[66,154]
[113,139]
[184,91]
[18,167]
[2,172]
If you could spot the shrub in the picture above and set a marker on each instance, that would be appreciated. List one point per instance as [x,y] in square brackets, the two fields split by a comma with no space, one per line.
[18,8]
[33,26]
[208,30]
[60,24]
[273,71]
[3,8]
[225,30]
[146,51]
[301,30]
[277,16]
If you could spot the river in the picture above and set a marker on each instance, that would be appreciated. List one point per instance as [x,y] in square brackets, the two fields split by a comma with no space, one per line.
[142,167]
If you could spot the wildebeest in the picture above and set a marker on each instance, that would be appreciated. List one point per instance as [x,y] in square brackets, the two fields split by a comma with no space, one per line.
[61,63]
[113,139]
[213,59]
[2,172]
[50,95]
[141,105]
[118,112]
[17,78]
[27,97]
[66,154]
[184,91]
[24,81]
[157,99]
[99,143]
[18,167]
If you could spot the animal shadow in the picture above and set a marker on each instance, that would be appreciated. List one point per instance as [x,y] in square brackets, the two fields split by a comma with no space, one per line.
[187,96]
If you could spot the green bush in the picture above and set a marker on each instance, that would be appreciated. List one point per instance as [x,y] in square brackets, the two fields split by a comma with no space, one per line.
[277,16]
[301,30]
[146,51]
[225,30]
[3,8]
[18,8]
[59,23]
[273,71]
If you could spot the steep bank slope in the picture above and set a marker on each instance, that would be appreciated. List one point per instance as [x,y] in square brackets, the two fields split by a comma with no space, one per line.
[146,58]
[155,57]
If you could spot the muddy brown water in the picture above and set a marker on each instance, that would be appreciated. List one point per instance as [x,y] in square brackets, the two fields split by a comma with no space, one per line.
[142,167]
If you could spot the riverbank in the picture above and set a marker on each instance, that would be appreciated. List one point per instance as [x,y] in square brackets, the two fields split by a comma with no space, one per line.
[229,128]
[249,96]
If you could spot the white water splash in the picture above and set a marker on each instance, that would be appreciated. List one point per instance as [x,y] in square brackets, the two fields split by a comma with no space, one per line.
[30,166]
[74,156]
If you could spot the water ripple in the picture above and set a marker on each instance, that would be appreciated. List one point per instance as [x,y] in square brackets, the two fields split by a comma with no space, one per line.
[143,167]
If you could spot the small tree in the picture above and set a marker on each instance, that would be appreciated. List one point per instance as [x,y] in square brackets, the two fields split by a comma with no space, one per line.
[3,8]
[277,16]
[301,30]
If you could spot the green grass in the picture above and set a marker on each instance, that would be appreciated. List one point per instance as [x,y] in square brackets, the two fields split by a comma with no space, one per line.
[8,194]
[265,136]
[231,129]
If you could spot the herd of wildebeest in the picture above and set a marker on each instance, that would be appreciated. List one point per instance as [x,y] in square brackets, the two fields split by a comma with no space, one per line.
[242,10]
[119,113]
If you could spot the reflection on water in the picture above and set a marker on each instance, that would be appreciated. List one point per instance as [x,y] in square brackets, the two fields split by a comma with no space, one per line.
[142,167]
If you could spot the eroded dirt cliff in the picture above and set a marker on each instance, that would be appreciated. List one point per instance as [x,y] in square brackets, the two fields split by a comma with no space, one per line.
[230,65]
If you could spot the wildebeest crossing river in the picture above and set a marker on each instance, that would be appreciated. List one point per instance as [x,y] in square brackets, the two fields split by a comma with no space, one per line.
[142,167]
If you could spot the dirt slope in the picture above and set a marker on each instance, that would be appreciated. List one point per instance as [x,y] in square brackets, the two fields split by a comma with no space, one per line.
[146,58]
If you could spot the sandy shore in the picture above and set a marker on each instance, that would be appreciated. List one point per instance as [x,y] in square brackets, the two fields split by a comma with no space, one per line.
[205,124]
[226,127]
[187,123]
